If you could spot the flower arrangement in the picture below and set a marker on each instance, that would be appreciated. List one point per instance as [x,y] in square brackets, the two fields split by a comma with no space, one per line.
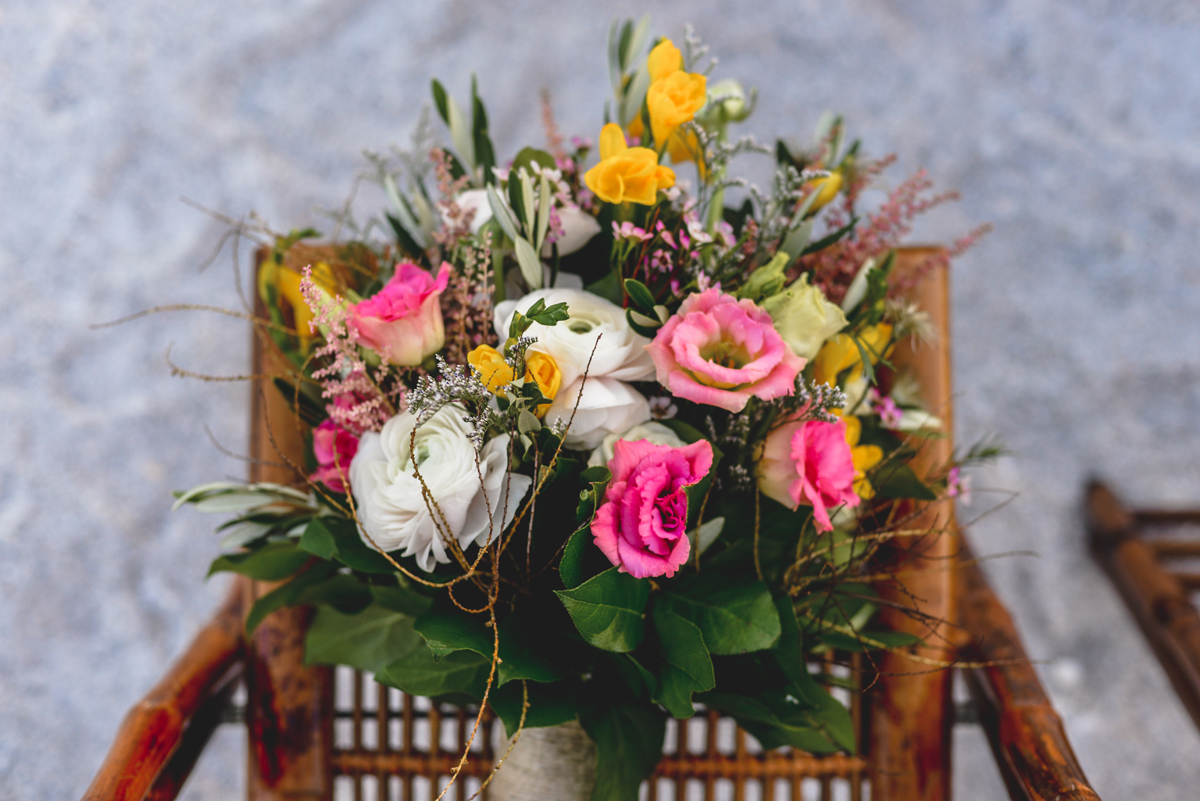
[586,443]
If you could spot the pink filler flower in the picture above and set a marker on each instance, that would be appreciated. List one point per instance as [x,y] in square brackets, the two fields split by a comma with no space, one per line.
[642,526]
[403,321]
[809,463]
[722,351]
[334,447]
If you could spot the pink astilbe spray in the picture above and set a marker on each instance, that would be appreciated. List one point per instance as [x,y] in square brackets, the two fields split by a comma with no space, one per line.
[554,139]
[356,402]
[458,224]
[467,304]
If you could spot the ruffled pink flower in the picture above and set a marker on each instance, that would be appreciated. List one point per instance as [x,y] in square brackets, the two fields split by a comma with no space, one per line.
[334,447]
[809,463]
[403,321]
[722,351]
[642,525]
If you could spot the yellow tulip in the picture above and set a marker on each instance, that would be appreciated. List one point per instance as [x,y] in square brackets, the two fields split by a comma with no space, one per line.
[627,173]
[496,374]
[840,354]
[674,100]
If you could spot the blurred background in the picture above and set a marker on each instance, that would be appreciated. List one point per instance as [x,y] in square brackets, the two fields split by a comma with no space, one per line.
[1072,126]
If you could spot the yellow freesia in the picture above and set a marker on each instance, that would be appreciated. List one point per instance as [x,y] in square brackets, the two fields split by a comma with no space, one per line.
[840,354]
[627,173]
[685,146]
[496,374]
[864,457]
[287,285]
[826,189]
[674,100]
[664,60]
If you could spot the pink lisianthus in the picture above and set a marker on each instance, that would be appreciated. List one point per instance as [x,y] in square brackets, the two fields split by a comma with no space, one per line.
[334,448]
[642,525]
[723,351]
[809,463]
[403,321]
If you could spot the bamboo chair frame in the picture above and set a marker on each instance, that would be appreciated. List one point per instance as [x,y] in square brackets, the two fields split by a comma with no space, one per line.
[297,725]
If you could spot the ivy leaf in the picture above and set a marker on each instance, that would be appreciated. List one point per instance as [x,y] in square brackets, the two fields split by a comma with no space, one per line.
[735,615]
[462,673]
[274,561]
[367,640]
[686,667]
[628,739]
[608,610]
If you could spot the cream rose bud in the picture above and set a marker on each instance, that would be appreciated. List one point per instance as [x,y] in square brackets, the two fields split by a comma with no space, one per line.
[391,505]
[652,432]
[605,406]
[620,352]
[804,318]
[578,228]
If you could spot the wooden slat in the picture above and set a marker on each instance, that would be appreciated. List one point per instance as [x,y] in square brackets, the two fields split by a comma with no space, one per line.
[288,714]
[154,729]
[911,714]
[1027,736]
[1158,600]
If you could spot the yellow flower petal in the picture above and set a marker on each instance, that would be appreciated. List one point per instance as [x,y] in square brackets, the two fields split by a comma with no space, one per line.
[493,370]
[612,141]
[673,101]
[664,60]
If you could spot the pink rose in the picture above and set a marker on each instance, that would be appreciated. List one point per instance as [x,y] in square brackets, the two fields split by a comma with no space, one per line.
[642,525]
[722,351]
[403,321]
[334,447]
[809,463]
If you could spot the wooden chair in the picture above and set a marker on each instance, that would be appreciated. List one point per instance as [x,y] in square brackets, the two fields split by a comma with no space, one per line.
[313,729]
[1139,549]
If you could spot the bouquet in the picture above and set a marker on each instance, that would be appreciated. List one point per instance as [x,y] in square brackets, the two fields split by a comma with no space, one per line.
[588,441]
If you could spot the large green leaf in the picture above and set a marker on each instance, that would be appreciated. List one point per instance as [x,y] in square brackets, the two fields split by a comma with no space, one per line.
[897,480]
[523,654]
[401,598]
[686,666]
[343,592]
[368,640]
[735,615]
[272,562]
[629,739]
[338,538]
[447,630]
[462,673]
[609,610]
[285,594]
[549,704]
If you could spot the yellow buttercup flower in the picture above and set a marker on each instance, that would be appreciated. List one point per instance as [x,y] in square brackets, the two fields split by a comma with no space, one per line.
[664,60]
[627,173]
[840,354]
[864,457]
[496,374]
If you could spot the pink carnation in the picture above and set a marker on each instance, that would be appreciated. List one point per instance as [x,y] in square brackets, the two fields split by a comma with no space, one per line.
[642,525]
[403,321]
[722,351]
[809,463]
[334,447]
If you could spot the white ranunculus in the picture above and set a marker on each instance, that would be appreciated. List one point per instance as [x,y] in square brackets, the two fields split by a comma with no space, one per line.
[578,227]
[652,432]
[472,200]
[606,405]
[389,499]
[619,354]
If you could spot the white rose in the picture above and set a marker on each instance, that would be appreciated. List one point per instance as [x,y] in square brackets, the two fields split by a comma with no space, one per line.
[652,432]
[619,354]
[605,406]
[578,227]
[389,499]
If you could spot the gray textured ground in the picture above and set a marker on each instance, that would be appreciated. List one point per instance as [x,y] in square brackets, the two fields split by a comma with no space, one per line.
[1070,125]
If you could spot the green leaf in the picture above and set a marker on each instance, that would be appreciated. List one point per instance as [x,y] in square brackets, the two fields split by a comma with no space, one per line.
[686,667]
[640,295]
[368,640]
[646,331]
[338,538]
[343,592]
[529,156]
[446,630]
[596,478]
[523,655]
[420,673]
[735,615]
[826,241]
[284,595]
[440,100]
[628,739]
[776,718]
[401,598]
[897,480]
[549,705]
[274,561]
[608,610]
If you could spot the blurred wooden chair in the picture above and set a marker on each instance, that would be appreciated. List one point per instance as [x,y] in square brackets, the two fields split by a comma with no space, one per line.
[1153,558]
[314,732]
